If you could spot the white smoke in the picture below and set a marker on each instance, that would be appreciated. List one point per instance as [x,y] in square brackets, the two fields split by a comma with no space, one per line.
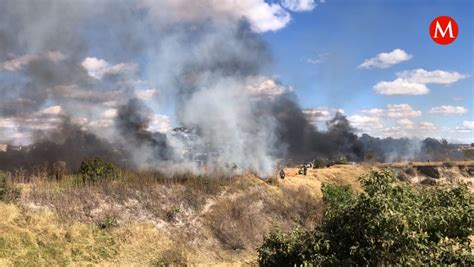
[87,59]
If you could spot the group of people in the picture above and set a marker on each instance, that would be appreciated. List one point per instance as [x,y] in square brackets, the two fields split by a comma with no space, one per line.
[302,170]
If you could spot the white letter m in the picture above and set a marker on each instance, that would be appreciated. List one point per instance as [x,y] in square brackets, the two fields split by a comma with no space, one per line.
[443,33]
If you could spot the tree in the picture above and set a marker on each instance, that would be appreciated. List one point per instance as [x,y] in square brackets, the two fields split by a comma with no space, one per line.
[389,223]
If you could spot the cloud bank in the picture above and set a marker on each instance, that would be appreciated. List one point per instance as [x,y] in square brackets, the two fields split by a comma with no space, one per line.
[385,60]
[414,82]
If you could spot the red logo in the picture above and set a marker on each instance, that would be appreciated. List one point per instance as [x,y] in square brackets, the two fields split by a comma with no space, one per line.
[444,30]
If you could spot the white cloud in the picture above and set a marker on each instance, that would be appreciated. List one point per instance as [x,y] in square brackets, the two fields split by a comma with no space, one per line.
[53,110]
[265,87]
[427,126]
[19,129]
[17,63]
[299,5]
[320,114]
[465,127]
[365,123]
[406,123]
[160,123]
[375,126]
[97,68]
[102,123]
[320,58]
[385,60]
[146,94]
[81,121]
[400,87]
[468,124]
[110,113]
[448,110]
[437,76]
[7,123]
[414,82]
[393,111]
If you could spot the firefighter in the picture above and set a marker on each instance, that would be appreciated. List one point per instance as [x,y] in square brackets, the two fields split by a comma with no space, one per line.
[305,169]
[282,174]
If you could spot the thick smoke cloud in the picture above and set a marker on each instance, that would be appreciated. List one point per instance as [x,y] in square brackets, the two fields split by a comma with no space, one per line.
[207,59]
[200,59]
[66,143]
[305,142]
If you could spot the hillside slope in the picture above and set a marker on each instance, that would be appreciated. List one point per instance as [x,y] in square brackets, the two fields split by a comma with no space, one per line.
[141,218]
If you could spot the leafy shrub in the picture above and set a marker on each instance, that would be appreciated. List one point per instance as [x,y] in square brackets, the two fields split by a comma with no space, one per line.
[282,249]
[319,164]
[337,196]
[390,223]
[93,170]
[8,192]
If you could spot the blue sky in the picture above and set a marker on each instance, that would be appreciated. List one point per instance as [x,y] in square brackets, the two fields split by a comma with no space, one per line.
[340,35]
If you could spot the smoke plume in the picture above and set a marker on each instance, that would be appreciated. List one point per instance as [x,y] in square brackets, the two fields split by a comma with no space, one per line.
[73,71]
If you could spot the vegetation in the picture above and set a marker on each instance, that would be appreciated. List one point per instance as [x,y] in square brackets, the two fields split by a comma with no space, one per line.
[336,196]
[8,192]
[96,169]
[389,223]
[469,153]
[148,218]
[319,164]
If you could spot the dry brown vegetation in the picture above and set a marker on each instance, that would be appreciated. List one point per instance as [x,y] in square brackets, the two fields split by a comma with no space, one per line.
[147,218]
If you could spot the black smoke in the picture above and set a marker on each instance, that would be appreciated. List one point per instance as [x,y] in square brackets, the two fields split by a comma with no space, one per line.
[132,122]
[68,143]
[201,67]
[305,142]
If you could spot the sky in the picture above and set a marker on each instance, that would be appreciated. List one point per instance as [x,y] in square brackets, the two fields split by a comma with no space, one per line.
[372,60]
[319,53]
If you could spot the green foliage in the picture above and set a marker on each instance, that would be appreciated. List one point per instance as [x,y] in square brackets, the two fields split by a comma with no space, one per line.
[469,153]
[8,192]
[389,223]
[336,196]
[96,169]
[319,164]
[282,249]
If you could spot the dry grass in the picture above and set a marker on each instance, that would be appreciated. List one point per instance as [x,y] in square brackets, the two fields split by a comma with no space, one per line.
[426,163]
[148,219]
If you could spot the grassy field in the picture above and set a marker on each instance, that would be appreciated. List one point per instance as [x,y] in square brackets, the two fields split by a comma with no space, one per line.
[145,218]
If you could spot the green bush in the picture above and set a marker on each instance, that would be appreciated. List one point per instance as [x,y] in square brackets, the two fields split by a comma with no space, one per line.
[319,164]
[336,196]
[8,192]
[390,223]
[96,169]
